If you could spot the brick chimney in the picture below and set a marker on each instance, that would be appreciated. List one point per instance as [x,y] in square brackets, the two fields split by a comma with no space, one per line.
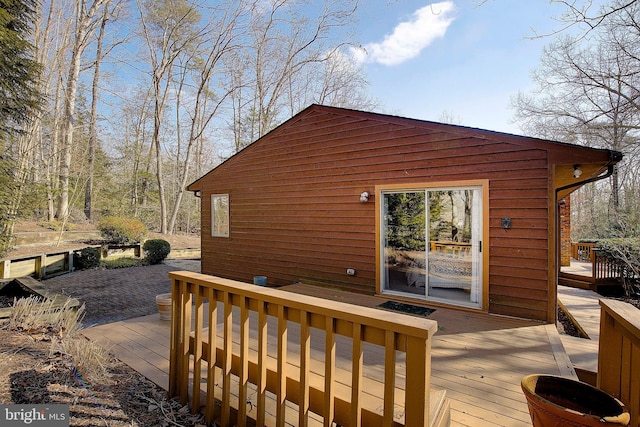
[565,231]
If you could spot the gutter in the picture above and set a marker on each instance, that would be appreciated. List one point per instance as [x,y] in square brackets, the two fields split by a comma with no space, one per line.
[614,158]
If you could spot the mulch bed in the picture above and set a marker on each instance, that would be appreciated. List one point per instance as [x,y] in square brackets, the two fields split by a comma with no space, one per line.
[30,373]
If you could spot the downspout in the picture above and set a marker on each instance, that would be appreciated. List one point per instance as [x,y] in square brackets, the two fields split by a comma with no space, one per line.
[614,158]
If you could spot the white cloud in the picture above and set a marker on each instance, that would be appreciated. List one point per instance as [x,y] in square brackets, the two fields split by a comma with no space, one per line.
[409,38]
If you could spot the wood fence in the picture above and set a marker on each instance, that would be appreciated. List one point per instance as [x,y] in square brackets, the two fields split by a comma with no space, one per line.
[258,348]
[619,354]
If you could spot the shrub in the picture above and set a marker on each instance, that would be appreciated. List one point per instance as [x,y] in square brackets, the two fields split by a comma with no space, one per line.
[121,262]
[122,231]
[86,258]
[156,250]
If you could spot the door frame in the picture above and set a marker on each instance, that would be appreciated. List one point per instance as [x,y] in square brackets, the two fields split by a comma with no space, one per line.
[484,255]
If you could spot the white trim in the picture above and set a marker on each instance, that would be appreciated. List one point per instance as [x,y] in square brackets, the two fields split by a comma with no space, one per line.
[225,212]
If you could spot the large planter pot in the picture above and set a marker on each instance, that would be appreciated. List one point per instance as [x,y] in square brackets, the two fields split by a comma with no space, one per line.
[557,401]
[164,306]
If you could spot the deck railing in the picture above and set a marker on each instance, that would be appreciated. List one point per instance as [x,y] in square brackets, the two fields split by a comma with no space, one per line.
[582,251]
[247,350]
[604,268]
[619,354]
[455,248]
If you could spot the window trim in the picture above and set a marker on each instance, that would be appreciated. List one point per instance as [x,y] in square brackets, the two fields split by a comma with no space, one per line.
[225,232]
[483,184]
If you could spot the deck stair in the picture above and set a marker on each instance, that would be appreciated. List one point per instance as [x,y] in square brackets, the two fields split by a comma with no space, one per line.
[589,269]
[582,307]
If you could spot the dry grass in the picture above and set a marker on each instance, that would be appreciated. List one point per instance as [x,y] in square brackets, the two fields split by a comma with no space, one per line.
[33,315]
[61,325]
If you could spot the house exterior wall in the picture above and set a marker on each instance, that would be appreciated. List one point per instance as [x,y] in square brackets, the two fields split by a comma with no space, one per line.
[295,212]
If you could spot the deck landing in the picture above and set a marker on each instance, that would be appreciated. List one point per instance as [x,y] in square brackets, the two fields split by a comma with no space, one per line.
[477,358]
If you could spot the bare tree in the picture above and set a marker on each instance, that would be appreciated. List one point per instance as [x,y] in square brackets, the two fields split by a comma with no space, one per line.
[588,93]
[202,66]
[87,19]
[108,14]
[282,46]
[168,27]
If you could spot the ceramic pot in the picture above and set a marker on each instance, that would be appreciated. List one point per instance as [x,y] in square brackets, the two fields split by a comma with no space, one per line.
[558,401]
[164,306]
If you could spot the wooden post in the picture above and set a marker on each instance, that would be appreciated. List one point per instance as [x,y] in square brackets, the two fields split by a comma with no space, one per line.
[39,266]
[5,269]
[419,367]
[69,261]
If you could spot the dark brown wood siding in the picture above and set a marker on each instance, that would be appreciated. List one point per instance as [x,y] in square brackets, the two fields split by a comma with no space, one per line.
[295,209]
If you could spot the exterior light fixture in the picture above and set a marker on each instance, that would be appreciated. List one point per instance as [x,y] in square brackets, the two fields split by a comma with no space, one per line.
[364,197]
[577,172]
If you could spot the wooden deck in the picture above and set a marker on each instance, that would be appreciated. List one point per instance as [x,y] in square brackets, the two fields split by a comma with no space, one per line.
[478,359]
[582,306]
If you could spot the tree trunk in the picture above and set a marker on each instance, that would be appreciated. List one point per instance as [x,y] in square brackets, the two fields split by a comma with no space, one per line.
[93,133]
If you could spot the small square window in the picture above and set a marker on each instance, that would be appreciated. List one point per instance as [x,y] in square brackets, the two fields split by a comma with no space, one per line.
[220,215]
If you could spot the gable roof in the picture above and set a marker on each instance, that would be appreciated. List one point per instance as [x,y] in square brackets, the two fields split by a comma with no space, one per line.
[558,152]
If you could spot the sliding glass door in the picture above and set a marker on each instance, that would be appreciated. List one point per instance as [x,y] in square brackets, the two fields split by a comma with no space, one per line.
[431,244]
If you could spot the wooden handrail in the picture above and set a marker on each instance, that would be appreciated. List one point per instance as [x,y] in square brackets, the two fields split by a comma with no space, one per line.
[619,354]
[316,385]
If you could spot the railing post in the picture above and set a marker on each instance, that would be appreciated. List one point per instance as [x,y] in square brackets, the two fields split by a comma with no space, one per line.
[419,367]
[619,354]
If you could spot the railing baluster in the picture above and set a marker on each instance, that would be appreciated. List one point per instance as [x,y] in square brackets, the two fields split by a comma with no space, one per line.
[211,354]
[262,362]
[389,377]
[357,356]
[185,322]
[175,339]
[197,350]
[243,378]
[226,363]
[281,393]
[305,350]
[329,371]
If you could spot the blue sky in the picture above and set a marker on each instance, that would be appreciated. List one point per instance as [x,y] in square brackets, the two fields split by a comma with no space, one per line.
[427,58]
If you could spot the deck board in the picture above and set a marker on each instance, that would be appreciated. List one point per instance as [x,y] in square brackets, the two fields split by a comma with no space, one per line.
[583,306]
[477,358]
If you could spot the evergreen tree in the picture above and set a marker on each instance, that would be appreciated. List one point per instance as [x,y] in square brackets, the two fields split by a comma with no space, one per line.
[18,71]
[18,96]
